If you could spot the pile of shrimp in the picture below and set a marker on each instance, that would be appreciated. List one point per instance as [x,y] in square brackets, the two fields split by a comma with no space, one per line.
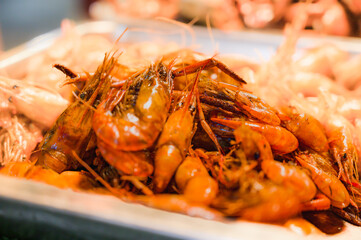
[186,133]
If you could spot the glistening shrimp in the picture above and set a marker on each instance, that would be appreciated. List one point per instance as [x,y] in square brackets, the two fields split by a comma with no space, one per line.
[72,129]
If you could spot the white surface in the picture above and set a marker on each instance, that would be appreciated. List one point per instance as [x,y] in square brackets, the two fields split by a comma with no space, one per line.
[112,210]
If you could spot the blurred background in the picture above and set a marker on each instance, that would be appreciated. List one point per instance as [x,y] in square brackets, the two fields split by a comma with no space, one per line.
[22,20]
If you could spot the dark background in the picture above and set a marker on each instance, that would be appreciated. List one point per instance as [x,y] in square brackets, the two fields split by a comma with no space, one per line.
[22,20]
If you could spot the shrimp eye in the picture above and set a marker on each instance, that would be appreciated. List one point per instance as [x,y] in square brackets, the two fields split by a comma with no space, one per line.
[344,155]
[10,99]
[96,103]
[82,95]
[192,108]
[256,155]
[180,104]
[15,86]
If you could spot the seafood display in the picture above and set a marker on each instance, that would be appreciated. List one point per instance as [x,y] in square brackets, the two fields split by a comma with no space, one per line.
[276,142]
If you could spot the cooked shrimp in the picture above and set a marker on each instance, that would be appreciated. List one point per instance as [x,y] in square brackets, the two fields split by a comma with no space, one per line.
[18,138]
[147,117]
[280,139]
[35,102]
[126,133]
[325,177]
[258,199]
[173,144]
[292,177]
[252,105]
[342,147]
[73,129]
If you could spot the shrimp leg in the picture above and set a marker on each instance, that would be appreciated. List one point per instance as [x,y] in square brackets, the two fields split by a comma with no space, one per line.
[206,64]
[83,77]
[321,202]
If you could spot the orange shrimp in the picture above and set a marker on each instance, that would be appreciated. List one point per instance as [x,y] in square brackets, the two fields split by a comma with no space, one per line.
[194,181]
[307,129]
[136,128]
[292,177]
[325,177]
[72,130]
[135,163]
[258,199]
[254,106]
[287,191]
[280,139]
[172,145]
[124,129]
[198,67]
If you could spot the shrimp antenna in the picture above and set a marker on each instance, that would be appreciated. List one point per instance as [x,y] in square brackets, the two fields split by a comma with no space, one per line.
[185,26]
[83,102]
[210,32]
[65,70]
[190,95]
[170,66]
[117,42]
[193,21]
[138,184]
